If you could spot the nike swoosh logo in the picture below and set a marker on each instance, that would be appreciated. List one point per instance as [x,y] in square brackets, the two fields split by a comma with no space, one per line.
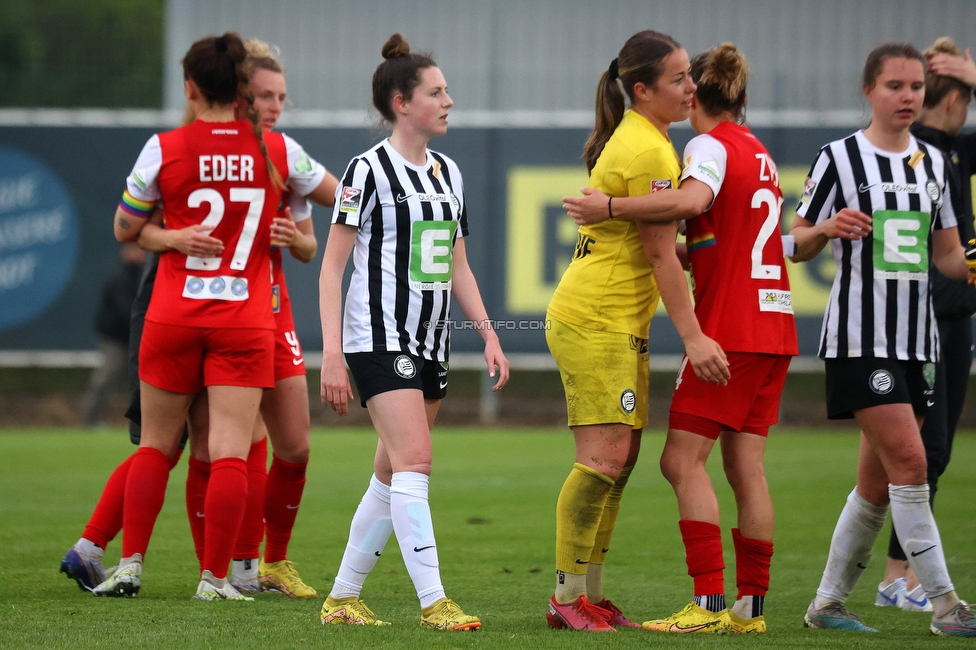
[929,403]
[861,566]
[919,603]
[298,360]
[862,188]
[917,553]
[402,198]
[606,550]
[422,548]
[891,599]
[291,507]
[693,628]
[443,385]
[581,562]
[378,553]
[200,514]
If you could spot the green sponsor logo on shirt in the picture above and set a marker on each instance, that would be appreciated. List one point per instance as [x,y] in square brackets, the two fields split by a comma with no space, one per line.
[901,244]
[431,254]
[303,165]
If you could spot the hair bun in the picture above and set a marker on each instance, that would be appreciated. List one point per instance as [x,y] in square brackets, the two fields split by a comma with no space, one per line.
[942,45]
[395,46]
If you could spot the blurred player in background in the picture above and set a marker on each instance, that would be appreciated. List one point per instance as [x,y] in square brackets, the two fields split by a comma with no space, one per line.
[601,313]
[400,212]
[880,197]
[112,330]
[949,84]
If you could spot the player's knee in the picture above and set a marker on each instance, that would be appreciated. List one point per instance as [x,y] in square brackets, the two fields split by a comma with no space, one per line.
[675,466]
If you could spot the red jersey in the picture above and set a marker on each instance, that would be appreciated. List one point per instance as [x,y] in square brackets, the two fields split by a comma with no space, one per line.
[742,292]
[213,173]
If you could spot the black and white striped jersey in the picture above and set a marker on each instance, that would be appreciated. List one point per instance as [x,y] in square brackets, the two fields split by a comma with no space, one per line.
[409,218]
[880,303]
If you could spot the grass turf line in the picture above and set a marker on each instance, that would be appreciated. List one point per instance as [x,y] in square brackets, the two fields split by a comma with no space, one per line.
[493,494]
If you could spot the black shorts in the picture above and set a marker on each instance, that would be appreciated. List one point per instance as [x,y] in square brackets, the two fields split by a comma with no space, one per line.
[381,372]
[861,382]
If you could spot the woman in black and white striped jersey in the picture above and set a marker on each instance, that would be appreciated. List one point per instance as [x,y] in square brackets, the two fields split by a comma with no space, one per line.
[880,198]
[401,208]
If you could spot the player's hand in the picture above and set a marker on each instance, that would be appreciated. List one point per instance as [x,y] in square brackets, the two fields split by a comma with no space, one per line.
[708,360]
[283,230]
[847,224]
[496,359]
[958,67]
[334,388]
[589,208]
[193,242]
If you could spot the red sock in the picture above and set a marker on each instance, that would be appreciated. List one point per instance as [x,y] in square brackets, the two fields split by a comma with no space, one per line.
[703,553]
[106,521]
[252,528]
[224,509]
[197,476]
[751,565]
[145,490]
[286,482]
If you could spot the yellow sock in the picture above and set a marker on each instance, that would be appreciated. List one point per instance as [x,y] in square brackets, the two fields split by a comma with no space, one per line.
[578,512]
[609,518]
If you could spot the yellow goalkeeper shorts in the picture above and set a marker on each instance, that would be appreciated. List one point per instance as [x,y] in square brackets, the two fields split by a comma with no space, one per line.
[604,374]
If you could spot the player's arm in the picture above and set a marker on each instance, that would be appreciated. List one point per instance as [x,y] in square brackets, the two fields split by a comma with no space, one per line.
[688,201]
[334,389]
[705,355]
[811,238]
[192,240]
[297,236]
[948,254]
[324,193]
[464,288]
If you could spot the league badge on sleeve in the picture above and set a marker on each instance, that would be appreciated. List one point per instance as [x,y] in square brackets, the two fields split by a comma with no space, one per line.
[349,200]
[809,187]
[658,185]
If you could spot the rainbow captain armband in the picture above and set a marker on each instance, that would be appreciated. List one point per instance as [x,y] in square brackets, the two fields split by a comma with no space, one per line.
[136,207]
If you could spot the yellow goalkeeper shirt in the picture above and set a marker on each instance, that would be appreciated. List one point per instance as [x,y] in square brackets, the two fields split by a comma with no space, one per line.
[609,285]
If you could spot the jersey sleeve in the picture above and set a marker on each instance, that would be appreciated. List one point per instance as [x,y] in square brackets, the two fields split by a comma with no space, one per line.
[945,216]
[301,208]
[458,190]
[705,160]
[819,189]
[304,172]
[650,172]
[355,194]
[142,184]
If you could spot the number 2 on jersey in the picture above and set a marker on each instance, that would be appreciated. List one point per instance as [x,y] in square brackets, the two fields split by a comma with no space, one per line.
[254,197]
[762,271]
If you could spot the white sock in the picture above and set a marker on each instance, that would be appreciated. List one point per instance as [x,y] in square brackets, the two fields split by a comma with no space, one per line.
[370,529]
[88,548]
[850,549]
[749,607]
[569,587]
[415,533]
[919,537]
[594,583]
[245,571]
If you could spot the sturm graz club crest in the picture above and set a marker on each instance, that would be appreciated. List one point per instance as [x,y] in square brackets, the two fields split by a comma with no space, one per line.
[881,382]
[404,366]
[628,401]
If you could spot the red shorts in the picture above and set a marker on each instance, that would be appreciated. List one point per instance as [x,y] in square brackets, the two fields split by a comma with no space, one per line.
[184,359]
[288,359]
[750,402]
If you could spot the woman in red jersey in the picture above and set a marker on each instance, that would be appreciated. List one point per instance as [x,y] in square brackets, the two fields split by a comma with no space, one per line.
[730,195]
[209,322]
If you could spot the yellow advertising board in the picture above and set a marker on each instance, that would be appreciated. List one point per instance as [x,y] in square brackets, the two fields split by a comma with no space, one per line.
[540,239]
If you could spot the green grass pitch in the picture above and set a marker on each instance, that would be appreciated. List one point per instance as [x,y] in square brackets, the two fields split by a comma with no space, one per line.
[493,494]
